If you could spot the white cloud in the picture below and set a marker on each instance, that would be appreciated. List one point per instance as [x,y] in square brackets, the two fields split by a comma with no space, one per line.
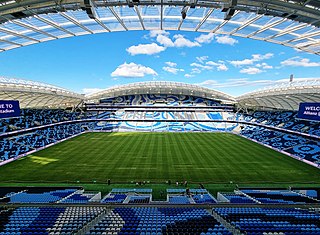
[264,66]
[165,40]
[145,49]
[251,70]
[195,70]
[90,90]
[226,40]
[133,70]
[155,33]
[259,57]
[171,64]
[181,41]
[172,70]
[202,59]
[203,67]
[187,75]
[239,63]
[299,62]
[205,38]
[220,65]
[255,58]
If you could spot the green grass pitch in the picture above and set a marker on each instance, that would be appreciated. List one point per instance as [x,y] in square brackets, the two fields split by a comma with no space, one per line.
[157,157]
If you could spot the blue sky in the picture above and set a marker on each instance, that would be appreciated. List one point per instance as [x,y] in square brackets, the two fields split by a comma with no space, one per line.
[88,63]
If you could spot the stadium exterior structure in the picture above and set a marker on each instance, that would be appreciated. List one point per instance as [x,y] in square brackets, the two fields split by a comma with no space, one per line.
[290,23]
[160,106]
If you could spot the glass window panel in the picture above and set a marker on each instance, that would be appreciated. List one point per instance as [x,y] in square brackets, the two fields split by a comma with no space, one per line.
[104,12]
[132,23]
[190,24]
[74,29]
[305,29]
[113,25]
[243,17]
[151,11]
[20,40]
[93,26]
[54,31]
[285,25]
[125,11]
[36,35]
[228,27]
[248,30]
[4,45]
[170,23]
[209,25]
[266,33]
[57,18]
[267,20]
[172,11]
[197,12]
[13,27]
[79,15]
[285,37]
[33,21]
[151,23]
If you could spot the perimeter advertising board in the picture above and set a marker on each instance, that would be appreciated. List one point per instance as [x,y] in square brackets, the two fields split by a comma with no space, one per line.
[9,108]
[310,111]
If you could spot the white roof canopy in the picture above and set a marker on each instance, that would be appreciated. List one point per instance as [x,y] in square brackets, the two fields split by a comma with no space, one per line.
[293,23]
[285,96]
[37,95]
[160,87]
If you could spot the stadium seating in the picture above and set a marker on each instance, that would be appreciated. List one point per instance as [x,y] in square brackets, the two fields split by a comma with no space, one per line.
[44,197]
[179,199]
[37,117]
[161,99]
[237,198]
[46,220]
[278,196]
[289,221]
[153,220]
[299,146]
[78,198]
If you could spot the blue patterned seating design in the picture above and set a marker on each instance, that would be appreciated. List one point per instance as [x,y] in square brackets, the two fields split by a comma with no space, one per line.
[37,117]
[114,198]
[30,220]
[45,197]
[15,146]
[179,199]
[309,151]
[278,196]
[139,200]
[285,141]
[153,220]
[203,199]
[162,99]
[256,221]
[238,198]
[78,198]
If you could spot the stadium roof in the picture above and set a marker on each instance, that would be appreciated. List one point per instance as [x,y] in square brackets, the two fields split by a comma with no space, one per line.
[293,23]
[286,96]
[37,95]
[161,87]
[283,96]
